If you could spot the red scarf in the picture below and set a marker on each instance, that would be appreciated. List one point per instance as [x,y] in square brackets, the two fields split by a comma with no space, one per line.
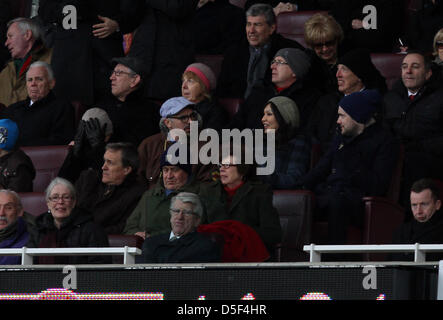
[231,192]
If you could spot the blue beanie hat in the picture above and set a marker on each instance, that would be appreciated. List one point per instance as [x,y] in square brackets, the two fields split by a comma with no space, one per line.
[361,105]
[8,134]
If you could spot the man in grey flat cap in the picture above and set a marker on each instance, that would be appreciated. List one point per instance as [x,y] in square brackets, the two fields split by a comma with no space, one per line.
[175,113]
[290,68]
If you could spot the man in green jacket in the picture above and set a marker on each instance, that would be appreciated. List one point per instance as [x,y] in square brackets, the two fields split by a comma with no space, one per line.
[151,216]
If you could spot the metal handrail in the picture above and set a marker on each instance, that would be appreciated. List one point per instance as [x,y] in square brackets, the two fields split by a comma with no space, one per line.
[419,250]
[27,254]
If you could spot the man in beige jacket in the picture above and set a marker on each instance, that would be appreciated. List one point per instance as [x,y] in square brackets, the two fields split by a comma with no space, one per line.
[23,41]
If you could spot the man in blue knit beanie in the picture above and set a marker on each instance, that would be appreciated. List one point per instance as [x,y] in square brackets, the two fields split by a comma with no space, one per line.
[359,163]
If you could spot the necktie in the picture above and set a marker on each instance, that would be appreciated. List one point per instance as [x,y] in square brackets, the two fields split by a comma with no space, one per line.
[411,97]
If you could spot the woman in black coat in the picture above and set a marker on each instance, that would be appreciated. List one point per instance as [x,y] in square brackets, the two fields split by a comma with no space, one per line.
[66,226]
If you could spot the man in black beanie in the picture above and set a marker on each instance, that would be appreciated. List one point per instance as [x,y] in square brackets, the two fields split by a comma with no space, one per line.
[355,72]
[359,163]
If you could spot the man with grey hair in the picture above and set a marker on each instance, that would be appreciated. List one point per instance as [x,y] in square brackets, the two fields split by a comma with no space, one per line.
[289,71]
[13,228]
[42,118]
[247,63]
[183,244]
[24,43]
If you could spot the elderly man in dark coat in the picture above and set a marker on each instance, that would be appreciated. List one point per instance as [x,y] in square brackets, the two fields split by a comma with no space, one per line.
[183,244]
[358,163]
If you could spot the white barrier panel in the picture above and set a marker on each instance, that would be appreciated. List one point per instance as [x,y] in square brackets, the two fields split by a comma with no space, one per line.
[419,250]
[128,253]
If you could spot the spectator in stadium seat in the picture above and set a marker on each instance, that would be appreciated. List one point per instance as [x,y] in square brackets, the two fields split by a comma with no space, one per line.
[165,42]
[426,227]
[183,244]
[355,72]
[94,131]
[151,216]
[133,116]
[176,113]
[66,226]
[17,171]
[247,63]
[82,56]
[240,195]
[23,40]
[324,35]
[289,68]
[42,118]
[112,193]
[359,163]
[438,50]
[13,228]
[413,111]
[198,85]
[292,149]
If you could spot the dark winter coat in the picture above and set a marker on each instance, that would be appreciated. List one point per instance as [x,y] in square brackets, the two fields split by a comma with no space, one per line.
[356,167]
[418,123]
[251,205]
[18,240]
[193,247]
[109,205]
[49,121]
[165,42]
[78,231]
[412,232]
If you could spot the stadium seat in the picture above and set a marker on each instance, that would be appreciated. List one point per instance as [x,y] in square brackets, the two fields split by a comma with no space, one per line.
[295,209]
[123,240]
[389,65]
[231,105]
[47,161]
[21,8]
[79,110]
[238,3]
[291,25]
[214,61]
[33,202]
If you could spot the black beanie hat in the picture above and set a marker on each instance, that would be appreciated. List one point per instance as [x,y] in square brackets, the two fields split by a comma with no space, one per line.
[185,166]
[360,63]
[361,105]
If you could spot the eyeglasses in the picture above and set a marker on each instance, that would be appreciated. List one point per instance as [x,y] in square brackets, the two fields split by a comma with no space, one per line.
[185,118]
[439,45]
[324,44]
[278,62]
[226,165]
[118,73]
[186,212]
[56,198]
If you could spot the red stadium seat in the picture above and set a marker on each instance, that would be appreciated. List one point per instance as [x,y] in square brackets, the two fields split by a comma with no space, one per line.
[295,209]
[47,161]
[214,61]
[389,65]
[79,110]
[33,202]
[238,3]
[123,240]
[291,25]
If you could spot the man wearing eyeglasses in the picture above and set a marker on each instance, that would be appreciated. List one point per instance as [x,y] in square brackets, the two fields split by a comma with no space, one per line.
[183,244]
[176,113]
[246,64]
[289,71]
[133,116]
